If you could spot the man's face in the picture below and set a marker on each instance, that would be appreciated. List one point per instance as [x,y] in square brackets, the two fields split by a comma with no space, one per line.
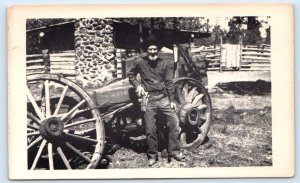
[152,53]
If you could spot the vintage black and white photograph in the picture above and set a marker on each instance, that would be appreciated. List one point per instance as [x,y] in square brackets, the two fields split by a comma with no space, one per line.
[150,92]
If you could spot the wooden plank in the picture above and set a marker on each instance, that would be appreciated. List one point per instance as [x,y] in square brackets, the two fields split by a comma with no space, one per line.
[256,50]
[260,47]
[34,56]
[62,63]
[211,50]
[214,60]
[212,56]
[62,59]
[213,69]
[119,65]
[213,64]
[256,54]
[255,61]
[73,78]
[64,72]
[35,71]
[34,67]
[245,64]
[67,54]
[35,61]
[251,66]
[255,58]
[252,46]
[255,69]
[63,67]
[260,65]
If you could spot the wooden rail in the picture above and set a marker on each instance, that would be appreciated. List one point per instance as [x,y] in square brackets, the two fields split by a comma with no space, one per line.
[211,54]
[255,57]
[62,63]
[251,57]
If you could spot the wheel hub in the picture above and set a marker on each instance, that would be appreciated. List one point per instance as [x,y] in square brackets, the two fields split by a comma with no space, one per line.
[51,128]
[189,114]
[193,116]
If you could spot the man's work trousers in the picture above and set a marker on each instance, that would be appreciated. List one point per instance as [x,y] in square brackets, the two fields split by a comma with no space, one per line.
[162,105]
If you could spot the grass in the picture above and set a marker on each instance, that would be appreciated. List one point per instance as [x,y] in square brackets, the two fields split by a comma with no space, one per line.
[240,136]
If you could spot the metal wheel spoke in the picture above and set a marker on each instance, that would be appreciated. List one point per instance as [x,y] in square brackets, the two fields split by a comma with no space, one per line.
[73,110]
[50,156]
[33,133]
[32,127]
[78,152]
[37,140]
[80,122]
[47,98]
[61,99]
[34,104]
[34,119]
[82,138]
[38,155]
[63,157]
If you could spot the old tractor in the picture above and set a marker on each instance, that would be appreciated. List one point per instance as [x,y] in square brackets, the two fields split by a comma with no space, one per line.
[68,126]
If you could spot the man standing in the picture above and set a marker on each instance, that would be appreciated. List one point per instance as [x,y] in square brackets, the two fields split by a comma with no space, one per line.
[156,79]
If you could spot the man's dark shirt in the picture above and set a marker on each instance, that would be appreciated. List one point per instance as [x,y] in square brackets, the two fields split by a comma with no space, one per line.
[156,76]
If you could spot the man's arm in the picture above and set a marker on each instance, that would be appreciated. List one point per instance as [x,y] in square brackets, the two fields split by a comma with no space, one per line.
[169,80]
[133,80]
[132,73]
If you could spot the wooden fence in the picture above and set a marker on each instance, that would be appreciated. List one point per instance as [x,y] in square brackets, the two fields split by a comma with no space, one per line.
[237,57]
[250,58]
[61,63]
[211,54]
[256,57]
[120,63]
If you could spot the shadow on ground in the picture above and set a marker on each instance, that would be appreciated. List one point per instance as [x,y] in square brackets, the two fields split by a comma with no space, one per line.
[259,87]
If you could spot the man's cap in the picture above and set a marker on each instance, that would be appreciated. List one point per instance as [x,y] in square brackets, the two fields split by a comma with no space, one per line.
[152,40]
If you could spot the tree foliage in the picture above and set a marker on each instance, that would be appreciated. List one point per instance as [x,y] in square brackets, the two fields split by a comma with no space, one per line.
[250,35]
[268,37]
[214,39]
[179,23]
[41,22]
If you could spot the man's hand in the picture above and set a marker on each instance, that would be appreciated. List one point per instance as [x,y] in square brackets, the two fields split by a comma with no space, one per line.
[140,91]
[173,106]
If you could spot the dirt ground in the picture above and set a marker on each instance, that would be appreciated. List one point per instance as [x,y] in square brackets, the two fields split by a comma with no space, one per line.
[240,134]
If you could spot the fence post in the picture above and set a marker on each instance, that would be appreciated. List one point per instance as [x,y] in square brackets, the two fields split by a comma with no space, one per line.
[119,63]
[46,60]
[192,41]
[176,58]
[240,56]
[123,64]
[44,46]
[141,35]
[221,51]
